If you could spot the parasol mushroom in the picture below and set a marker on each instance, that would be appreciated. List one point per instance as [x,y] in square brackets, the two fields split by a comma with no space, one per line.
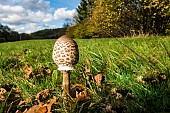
[65,55]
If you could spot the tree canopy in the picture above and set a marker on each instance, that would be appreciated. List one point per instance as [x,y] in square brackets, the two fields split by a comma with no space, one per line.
[105,18]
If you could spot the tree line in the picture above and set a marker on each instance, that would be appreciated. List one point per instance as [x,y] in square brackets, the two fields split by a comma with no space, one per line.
[119,18]
[8,35]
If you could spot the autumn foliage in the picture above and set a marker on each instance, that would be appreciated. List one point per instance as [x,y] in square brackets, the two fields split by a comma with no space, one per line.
[117,18]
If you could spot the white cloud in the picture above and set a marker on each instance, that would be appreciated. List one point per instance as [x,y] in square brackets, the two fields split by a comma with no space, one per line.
[9,9]
[36,5]
[63,13]
[13,18]
[32,27]
[19,15]
[32,15]
[41,16]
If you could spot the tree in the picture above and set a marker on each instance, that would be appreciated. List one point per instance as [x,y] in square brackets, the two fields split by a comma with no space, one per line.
[67,22]
[83,10]
[79,28]
[155,16]
[105,18]
[8,35]
[80,31]
[129,17]
[4,33]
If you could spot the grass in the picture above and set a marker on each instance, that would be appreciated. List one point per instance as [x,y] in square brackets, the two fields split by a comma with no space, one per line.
[122,62]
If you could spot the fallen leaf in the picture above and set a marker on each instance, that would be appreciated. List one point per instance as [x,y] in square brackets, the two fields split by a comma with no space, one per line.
[25,110]
[87,70]
[2,94]
[47,70]
[99,79]
[108,108]
[78,93]
[42,109]
[52,101]
[42,95]
[40,67]
[162,77]
[156,73]
[46,108]
[131,95]
[118,96]
[140,79]
[18,111]
[24,102]
[28,71]
[114,91]
[76,89]
[37,109]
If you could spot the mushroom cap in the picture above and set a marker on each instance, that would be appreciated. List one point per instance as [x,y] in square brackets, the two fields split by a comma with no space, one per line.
[65,53]
[65,38]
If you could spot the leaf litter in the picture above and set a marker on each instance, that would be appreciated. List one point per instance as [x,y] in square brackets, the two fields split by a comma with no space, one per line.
[42,107]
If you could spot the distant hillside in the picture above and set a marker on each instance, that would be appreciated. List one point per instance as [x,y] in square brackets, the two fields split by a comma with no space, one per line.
[8,35]
[48,33]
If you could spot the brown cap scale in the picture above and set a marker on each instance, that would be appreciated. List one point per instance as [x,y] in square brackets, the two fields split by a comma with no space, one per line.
[65,53]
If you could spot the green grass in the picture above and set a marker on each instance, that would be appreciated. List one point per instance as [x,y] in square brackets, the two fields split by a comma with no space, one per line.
[121,61]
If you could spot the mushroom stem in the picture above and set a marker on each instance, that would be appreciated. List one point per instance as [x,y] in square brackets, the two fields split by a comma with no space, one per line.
[66,83]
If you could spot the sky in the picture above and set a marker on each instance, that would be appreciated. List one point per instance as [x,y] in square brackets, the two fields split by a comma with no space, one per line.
[27,16]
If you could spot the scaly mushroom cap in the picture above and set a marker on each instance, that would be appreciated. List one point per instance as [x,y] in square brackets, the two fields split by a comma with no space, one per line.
[65,53]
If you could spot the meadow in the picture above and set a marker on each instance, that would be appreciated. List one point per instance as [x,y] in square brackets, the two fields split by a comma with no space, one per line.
[122,75]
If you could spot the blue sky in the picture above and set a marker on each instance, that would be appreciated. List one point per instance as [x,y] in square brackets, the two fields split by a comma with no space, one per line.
[32,15]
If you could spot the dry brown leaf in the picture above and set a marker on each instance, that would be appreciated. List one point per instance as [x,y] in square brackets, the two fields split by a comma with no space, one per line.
[140,79]
[42,95]
[108,108]
[131,95]
[25,110]
[28,71]
[2,91]
[16,89]
[40,67]
[2,94]
[42,109]
[37,109]
[118,96]
[87,70]
[18,111]
[75,90]
[24,102]
[15,95]
[79,93]
[47,70]
[156,73]
[52,101]
[114,91]
[98,79]
[46,108]
[162,76]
